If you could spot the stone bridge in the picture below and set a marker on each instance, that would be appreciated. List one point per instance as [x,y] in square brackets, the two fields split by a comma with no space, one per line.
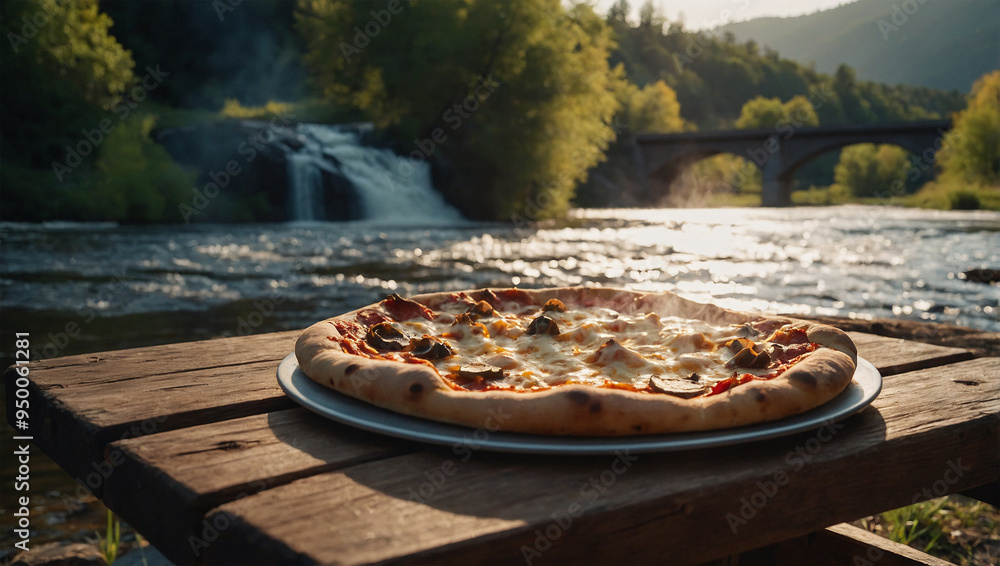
[778,152]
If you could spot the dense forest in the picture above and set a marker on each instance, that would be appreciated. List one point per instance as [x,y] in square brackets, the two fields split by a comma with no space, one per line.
[944,44]
[95,81]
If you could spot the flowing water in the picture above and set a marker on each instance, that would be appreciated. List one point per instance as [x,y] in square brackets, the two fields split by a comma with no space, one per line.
[391,188]
[123,286]
[204,281]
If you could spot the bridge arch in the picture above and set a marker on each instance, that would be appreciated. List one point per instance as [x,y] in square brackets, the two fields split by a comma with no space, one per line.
[670,177]
[779,155]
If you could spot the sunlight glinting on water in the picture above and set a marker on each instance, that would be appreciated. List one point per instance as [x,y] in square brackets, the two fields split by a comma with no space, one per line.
[849,261]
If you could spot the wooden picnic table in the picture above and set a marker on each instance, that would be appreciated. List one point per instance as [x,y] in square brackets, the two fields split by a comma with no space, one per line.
[196,447]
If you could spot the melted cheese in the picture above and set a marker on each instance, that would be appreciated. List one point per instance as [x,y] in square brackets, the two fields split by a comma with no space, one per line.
[645,345]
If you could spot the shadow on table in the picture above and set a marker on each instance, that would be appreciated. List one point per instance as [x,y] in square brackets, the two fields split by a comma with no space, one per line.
[467,480]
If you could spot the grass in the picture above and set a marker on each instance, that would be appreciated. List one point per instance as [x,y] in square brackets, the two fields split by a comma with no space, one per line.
[309,110]
[955,196]
[727,200]
[953,528]
[111,541]
[937,195]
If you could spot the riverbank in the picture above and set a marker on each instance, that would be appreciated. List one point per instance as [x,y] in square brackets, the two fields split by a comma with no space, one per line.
[934,195]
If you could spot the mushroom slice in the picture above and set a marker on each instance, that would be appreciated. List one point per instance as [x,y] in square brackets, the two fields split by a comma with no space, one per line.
[543,325]
[476,369]
[554,305]
[683,388]
[482,309]
[748,358]
[737,344]
[386,338]
[430,348]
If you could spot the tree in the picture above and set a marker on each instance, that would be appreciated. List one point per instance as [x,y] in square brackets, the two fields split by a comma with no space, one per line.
[800,112]
[856,109]
[971,150]
[60,68]
[64,75]
[653,109]
[769,113]
[518,94]
[760,113]
[867,170]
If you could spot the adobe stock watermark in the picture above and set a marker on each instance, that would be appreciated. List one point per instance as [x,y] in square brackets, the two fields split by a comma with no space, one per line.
[248,148]
[93,138]
[785,128]
[696,45]
[105,468]
[262,310]
[363,37]
[437,476]
[210,530]
[899,15]
[533,207]
[918,164]
[454,117]
[590,492]
[953,472]
[767,489]
[29,28]
[223,7]
[60,339]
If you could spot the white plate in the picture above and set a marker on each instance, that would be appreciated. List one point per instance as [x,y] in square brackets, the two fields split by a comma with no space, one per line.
[859,394]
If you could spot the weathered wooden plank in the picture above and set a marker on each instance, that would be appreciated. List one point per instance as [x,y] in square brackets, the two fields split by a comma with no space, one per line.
[81,403]
[894,355]
[931,432]
[837,545]
[166,358]
[188,471]
[982,344]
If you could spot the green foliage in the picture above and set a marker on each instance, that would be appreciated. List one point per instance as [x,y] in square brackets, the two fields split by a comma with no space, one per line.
[939,194]
[214,50]
[60,67]
[768,113]
[653,108]
[867,170]
[135,179]
[971,150]
[521,90]
[74,45]
[760,113]
[799,111]
[714,78]
[954,528]
[963,199]
[936,46]
[233,109]
[111,541]
[29,194]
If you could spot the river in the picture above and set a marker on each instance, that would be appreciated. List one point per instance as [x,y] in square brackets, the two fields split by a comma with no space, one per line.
[124,286]
[85,288]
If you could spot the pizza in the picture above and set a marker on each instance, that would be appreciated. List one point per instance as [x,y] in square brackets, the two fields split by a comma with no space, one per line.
[577,361]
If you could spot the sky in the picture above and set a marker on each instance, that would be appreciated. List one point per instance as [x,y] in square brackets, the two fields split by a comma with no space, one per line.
[707,14]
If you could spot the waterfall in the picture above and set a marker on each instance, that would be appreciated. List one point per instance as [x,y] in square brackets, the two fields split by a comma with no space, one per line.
[305,187]
[389,187]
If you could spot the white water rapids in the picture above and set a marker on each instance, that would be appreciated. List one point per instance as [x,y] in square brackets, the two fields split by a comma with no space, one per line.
[391,189]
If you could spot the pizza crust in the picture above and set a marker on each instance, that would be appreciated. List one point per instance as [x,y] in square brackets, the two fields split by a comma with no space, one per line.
[579,410]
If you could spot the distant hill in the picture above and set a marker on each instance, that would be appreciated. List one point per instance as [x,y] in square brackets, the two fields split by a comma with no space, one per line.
[945,44]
